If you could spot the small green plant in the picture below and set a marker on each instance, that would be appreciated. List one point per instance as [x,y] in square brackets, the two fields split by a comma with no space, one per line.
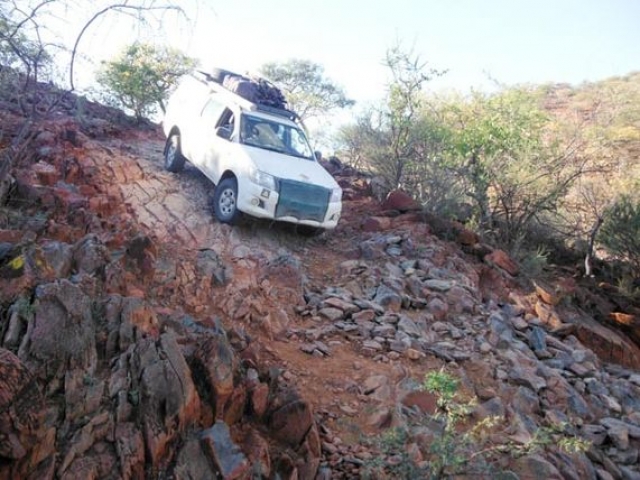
[620,232]
[453,449]
[393,461]
[626,286]
[574,444]
[549,436]
[443,385]
[533,263]
[458,446]
[452,452]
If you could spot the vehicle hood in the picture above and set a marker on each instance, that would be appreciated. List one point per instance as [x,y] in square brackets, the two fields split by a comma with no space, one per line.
[291,168]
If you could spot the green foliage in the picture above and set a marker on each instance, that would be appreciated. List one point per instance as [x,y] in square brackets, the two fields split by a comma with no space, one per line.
[143,75]
[452,451]
[605,119]
[443,385]
[515,169]
[549,436]
[620,232]
[407,138]
[308,91]
[627,287]
[458,447]
[533,262]
[404,140]
[393,461]
[495,150]
[526,159]
[360,141]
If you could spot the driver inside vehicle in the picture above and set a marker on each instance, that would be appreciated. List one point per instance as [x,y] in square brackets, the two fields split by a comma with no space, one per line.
[250,133]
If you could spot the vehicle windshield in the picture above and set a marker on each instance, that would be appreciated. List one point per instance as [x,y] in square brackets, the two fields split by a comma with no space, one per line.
[275,136]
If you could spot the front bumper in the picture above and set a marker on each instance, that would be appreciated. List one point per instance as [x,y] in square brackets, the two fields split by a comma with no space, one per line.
[293,205]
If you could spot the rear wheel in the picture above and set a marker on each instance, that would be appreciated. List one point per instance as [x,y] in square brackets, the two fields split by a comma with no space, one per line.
[225,201]
[173,159]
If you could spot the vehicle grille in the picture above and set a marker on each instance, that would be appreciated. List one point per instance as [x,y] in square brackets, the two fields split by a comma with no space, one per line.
[302,200]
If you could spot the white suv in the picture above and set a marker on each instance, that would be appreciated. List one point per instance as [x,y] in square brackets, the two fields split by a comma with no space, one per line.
[257,156]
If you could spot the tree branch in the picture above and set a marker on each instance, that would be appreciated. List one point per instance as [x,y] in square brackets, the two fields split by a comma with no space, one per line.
[116,7]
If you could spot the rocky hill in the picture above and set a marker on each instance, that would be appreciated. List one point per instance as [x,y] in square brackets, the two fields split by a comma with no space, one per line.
[140,339]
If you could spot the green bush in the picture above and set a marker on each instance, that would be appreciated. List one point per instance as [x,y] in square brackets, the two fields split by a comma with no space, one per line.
[453,450]
[460,446]
[143,75]
[620,232]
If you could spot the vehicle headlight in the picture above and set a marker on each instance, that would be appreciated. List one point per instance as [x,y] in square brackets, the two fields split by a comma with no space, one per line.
[336,195]
[263,179]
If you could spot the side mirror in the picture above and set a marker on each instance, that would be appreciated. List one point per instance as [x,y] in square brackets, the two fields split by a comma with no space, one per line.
[224,132]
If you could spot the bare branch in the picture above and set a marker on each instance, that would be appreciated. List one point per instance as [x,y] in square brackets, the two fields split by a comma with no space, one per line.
[114,7]
[30,16]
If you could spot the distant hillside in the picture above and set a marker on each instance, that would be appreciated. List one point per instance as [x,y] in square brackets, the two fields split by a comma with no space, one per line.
[609,110]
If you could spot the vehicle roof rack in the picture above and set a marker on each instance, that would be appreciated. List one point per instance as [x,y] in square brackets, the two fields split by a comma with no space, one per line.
[282,112]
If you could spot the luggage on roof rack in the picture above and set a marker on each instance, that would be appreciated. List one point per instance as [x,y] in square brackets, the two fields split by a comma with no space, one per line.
[255,89]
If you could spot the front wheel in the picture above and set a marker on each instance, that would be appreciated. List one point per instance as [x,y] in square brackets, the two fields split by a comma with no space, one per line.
[225,201]
[173,159]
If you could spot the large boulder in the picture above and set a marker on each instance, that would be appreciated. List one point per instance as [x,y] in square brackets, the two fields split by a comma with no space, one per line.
[227,457]
[291,422]
[607,344]
[61,336]
[401,202]
[192,462]
[165,394]
[213,368]
[502,260]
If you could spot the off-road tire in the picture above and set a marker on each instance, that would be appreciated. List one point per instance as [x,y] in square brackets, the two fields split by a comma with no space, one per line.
[225,201]
[173,158]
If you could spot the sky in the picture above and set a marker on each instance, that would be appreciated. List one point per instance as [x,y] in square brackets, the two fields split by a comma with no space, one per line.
[478,42]
[511,41]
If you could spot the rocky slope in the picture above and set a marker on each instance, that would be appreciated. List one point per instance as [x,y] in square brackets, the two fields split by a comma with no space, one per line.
[141,339]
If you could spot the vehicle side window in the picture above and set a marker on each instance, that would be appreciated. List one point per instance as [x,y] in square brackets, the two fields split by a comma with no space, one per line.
[212,111]
[226,120]
[226,124]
